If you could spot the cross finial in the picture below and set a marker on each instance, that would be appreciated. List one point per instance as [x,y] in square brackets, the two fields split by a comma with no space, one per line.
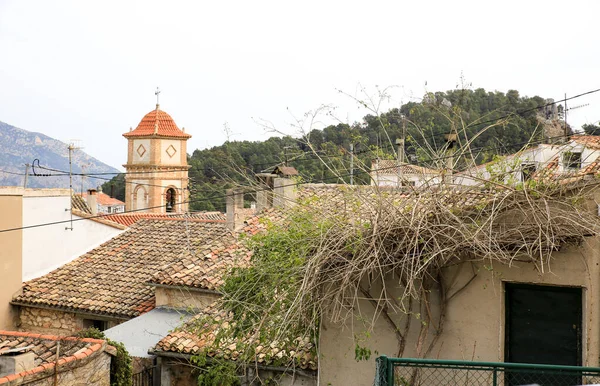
[157,93]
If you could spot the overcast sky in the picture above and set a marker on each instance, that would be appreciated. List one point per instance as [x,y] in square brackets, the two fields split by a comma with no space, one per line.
[88,70]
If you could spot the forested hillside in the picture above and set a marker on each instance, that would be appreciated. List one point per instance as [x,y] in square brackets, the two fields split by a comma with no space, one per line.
[467,111]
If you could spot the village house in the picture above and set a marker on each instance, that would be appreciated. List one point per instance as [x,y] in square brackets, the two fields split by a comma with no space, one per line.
[107,285]
[45,360]
[30,251]
[577,156]
[102,203]
[388,173]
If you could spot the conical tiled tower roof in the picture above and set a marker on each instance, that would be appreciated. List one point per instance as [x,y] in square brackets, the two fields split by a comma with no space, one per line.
[159,123]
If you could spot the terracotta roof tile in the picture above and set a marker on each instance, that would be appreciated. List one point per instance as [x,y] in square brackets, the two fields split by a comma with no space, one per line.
[591,141]
[552,172]
[77,202]
[98,219]
[199,334]
[206,268]
[129,219]
[103,199]
[159,123]
[111,279]
[385,167]
[44,348]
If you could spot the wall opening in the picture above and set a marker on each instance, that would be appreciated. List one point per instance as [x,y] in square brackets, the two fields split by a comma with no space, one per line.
[170,200]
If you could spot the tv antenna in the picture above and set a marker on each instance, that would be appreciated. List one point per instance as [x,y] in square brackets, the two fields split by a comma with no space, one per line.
[72,147]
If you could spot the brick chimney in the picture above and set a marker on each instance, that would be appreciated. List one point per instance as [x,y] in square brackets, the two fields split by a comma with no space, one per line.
[92,201]
[235,209]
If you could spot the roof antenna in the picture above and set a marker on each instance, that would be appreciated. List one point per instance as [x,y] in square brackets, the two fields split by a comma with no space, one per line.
[157,93]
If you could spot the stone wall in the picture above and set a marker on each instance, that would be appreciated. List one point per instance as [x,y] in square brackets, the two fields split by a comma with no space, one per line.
[52,322]
[49,321]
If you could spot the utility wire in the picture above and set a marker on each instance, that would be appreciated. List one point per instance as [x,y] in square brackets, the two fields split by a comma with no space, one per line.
[313,181]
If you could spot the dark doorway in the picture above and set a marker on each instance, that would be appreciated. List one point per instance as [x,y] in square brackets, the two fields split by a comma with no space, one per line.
[543,326]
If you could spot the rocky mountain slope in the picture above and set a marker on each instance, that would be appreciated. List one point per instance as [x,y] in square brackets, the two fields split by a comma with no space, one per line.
[19,147]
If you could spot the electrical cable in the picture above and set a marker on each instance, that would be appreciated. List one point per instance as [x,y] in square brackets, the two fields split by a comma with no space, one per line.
[337,177]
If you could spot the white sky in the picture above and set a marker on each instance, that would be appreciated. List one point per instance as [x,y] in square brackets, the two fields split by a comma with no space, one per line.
[88,70]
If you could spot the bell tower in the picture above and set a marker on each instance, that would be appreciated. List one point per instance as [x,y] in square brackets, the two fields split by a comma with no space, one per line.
[157,169]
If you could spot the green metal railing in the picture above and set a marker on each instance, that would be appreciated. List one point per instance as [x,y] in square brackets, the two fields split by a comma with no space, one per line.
[425,372]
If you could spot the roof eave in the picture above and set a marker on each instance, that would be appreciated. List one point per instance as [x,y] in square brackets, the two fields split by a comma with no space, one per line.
[305,372]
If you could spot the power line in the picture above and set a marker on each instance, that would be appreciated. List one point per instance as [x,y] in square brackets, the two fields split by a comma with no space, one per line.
[337,177]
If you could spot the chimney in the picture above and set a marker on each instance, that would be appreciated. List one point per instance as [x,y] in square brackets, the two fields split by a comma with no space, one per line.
[284,193]
[235,208]
[16,362]
[264,192]
[92,201]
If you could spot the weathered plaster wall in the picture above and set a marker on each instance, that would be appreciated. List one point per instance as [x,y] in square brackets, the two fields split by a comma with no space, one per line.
[183,298]
[474,326]
[11,207]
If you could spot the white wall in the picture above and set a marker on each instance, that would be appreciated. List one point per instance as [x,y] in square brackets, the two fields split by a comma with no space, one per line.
[380,179]
[49,247]
[540,155]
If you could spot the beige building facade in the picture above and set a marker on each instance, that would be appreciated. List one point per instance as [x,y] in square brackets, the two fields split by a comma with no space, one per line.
[475,322]
[11,207]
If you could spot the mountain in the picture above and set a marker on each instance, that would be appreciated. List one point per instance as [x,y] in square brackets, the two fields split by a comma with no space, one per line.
[19,147]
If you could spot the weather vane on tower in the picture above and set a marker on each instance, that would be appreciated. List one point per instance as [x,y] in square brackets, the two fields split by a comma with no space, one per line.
[157,93]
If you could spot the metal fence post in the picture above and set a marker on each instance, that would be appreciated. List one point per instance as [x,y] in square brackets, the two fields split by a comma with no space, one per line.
[390,371]
[495,377]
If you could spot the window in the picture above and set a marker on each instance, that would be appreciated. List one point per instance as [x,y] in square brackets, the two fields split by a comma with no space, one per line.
[527,170]
[170,198]
[572,160]
[95,323]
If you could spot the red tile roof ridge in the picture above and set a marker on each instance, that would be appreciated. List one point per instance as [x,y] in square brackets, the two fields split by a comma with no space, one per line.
[49,337]
[130,218]
[103,199]
[98,346]
[98,219]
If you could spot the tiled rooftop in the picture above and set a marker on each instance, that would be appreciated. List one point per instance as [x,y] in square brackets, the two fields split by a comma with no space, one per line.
[112,279]
[385,167]
[207,267]
[157,122]
[129,219]
[44,347]
[104,199]
[199,334]
[550,172]
[79,203]
[591,141]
